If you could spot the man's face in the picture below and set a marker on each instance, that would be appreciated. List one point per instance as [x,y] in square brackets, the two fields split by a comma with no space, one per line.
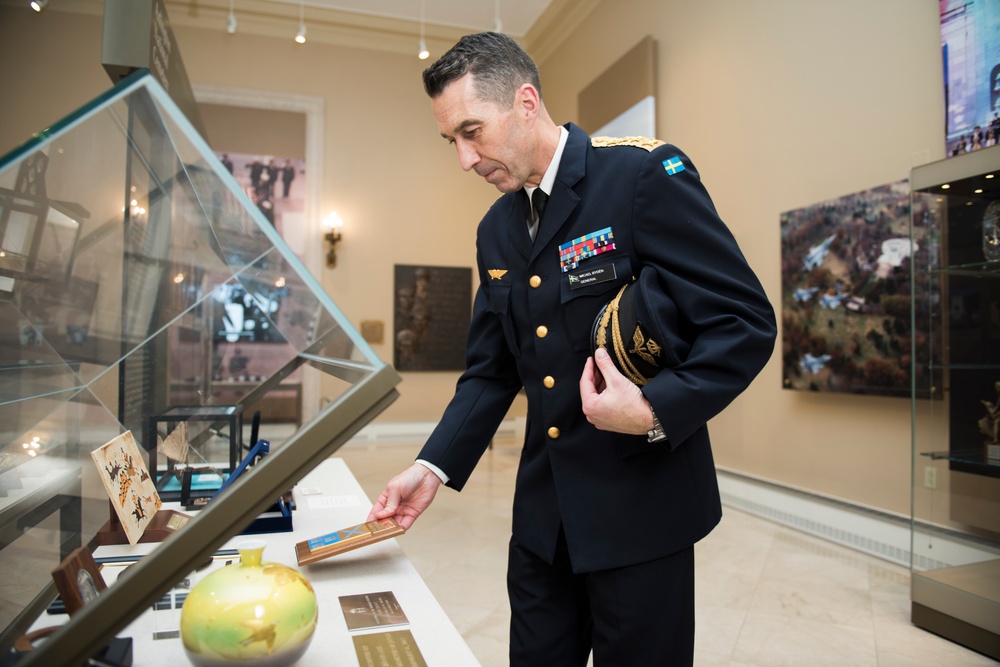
[491,141]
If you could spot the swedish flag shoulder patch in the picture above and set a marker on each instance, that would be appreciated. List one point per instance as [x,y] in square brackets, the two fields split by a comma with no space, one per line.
[673,165]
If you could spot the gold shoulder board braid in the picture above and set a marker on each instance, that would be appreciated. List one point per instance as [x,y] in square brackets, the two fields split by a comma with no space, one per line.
[638,142]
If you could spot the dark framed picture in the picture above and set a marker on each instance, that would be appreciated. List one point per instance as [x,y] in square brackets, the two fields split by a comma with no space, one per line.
[432,315]
[78,580]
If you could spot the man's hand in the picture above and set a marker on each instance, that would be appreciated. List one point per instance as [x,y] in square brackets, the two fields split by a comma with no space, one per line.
[610,401]
[406,496]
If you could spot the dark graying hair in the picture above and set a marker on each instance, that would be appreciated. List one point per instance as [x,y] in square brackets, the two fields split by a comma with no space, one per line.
[498,64]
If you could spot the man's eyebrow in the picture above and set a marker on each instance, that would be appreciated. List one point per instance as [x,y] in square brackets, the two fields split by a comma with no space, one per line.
[461,126]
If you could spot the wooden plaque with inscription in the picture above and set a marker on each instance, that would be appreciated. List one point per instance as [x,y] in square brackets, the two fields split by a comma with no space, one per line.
[346,539]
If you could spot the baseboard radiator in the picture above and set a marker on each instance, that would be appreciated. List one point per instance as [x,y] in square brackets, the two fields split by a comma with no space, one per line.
[871,531]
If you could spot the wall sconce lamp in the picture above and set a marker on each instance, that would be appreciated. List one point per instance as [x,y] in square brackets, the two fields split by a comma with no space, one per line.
[332,224]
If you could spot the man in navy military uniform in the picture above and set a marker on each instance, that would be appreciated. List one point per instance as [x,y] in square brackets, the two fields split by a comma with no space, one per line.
[616,480]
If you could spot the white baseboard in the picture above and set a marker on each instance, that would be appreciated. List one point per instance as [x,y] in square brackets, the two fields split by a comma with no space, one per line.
[864,529]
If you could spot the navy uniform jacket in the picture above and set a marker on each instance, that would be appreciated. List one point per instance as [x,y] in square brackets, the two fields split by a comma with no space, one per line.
[619,499]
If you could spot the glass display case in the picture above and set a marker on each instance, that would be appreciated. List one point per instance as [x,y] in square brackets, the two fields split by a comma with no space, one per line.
[955,549]
[130,263]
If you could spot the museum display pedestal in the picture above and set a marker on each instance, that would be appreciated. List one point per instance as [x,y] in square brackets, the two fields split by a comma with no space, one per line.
[162,526]
[961,603]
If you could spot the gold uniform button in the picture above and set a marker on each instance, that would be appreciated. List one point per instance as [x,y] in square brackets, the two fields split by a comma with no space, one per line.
[542,331]
[553,432]
[535,281]
[549,381]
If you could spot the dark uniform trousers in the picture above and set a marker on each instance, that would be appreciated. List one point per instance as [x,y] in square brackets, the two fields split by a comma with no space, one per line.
[636,615]
[604,523]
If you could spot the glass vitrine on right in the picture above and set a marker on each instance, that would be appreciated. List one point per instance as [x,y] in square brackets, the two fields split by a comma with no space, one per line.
[955,508]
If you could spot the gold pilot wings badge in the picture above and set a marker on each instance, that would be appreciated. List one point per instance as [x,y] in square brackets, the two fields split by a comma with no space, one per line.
[646,348]
[497,274]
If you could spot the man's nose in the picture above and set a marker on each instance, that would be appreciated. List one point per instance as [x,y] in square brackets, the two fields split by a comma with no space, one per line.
[468,157]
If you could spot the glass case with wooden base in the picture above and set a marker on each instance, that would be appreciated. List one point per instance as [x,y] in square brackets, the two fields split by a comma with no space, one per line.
[955,551]
[132,263]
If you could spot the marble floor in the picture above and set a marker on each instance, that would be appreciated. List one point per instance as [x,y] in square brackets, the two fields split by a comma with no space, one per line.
[767,595]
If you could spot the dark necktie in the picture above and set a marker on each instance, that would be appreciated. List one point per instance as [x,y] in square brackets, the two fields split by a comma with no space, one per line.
[538,200]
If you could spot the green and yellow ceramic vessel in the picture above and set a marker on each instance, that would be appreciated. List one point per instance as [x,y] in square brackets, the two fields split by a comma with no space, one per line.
[249,613]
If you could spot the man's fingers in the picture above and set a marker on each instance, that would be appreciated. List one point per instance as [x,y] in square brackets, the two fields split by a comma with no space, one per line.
[385,506]
[603,360]
[607,369]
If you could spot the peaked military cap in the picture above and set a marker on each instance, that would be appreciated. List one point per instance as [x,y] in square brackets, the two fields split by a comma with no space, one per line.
[639,329]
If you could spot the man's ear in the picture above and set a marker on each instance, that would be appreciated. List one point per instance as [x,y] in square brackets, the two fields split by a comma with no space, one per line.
[527,101]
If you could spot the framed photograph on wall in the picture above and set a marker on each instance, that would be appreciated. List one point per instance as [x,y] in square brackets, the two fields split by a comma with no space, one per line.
[276,185]
[845,304]
[970,53]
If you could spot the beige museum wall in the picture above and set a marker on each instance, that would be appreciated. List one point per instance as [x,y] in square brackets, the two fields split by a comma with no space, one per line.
[780,103]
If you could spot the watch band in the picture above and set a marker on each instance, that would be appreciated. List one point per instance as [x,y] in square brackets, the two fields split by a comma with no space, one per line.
[655,434]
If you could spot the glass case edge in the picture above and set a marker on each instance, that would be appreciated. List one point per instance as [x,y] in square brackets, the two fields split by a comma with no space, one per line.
[953,168]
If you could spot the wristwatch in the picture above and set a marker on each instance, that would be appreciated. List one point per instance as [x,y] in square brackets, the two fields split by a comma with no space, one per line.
[656,433]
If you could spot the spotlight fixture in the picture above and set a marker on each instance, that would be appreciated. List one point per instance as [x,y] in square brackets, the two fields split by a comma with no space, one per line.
[231,21]
[300,36]
[39,5]
[423,53]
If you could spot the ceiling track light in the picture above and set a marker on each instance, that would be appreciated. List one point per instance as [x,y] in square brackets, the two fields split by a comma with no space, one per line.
[39,5]
[422,53]
[231,21]
[300,36]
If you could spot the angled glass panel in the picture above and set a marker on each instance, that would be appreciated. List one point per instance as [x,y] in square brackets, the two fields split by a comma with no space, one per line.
[141,289]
